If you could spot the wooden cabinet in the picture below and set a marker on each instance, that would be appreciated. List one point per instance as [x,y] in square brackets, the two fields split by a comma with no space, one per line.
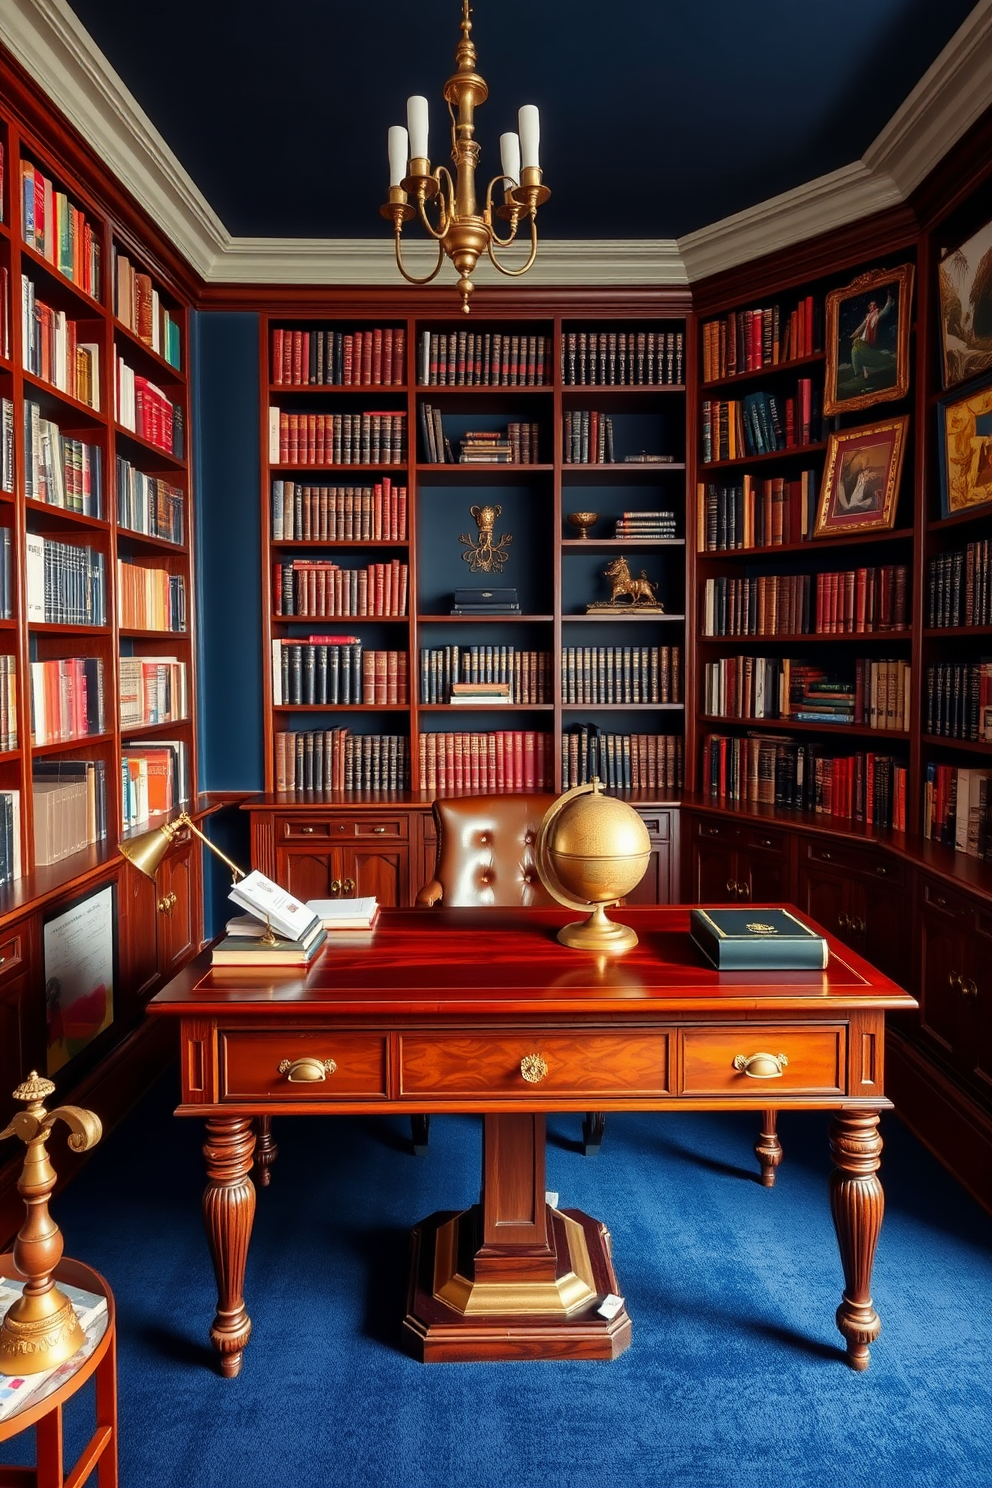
[955,991]
[737,861]
[859,895]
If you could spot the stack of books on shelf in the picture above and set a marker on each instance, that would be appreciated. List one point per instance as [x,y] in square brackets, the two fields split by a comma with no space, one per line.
[587,437]
[646,525]
[137,305]
[484,447]
[338,513]
[959,700]
[59,469]
[70,807]
[485,602]
[371,358]
[957,805]
[276,930]
[778,771]
[489,693]
[337,759]
[959,591]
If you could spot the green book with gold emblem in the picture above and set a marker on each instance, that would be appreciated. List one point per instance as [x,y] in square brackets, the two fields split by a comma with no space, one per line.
[757,940]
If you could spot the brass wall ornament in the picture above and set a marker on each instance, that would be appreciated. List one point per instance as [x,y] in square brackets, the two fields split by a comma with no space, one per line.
[463,232]
[640,594]
[486,556]
[41,1329]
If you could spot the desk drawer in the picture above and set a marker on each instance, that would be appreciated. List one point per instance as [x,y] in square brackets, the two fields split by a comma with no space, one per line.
[249,1065]
[584,1066]
[815,1061]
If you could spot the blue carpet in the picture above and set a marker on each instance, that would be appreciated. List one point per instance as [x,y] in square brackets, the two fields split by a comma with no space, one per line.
[734,1378]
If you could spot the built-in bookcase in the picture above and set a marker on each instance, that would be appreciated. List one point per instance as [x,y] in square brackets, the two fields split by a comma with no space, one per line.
[396,444]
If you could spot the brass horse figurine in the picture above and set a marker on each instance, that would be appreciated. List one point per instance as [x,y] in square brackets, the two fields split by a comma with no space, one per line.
[639,591]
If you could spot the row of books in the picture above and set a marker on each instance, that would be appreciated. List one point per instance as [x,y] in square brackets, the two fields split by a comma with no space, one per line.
[70,807]
[510,760]
[8,702]
[149,504]
[761,423]
[752,513]
[59,231]
[58,468]
[647,764]
[141,406]
[337,759]
[957,805]
[336,438]
[748,340]
[878,696]
[7,587]
[65,583]
[10,848]
[66,699]
[320,588]
[483,359]
[959,588]
[587,437]
[959,700]
[150,598]
[6,445]
[371,358]
[154,779]
[621,674]
[646,526]
[760,769]
[525,674]
[337,670]
[622,358]
[339,513]
[863,601]
[138,305]
[51,350]
[151,690]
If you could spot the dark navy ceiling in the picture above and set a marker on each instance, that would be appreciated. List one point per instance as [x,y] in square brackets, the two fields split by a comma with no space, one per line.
[657,118]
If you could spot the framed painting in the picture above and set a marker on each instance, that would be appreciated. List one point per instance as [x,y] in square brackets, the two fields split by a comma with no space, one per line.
[965,452]
[964,277]
[861,478]
[80,949]
[867,332]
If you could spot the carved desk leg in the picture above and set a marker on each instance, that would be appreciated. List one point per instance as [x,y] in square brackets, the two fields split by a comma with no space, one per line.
[266,1150]
[228,1212]
[856,1202]
[768,1148]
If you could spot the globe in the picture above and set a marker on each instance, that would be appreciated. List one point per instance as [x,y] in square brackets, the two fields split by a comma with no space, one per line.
[592,850]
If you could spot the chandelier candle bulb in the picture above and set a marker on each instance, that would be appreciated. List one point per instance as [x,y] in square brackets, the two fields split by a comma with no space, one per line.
[416,123]
[509,154]
[529,125]
[399,154]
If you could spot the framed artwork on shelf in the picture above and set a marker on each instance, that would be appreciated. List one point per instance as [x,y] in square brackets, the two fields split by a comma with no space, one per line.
[861,478]
[80,946]
[868,340]
[965,279]
[965,452]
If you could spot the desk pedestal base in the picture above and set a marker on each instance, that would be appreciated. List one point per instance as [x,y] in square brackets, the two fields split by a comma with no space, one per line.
[460,1309]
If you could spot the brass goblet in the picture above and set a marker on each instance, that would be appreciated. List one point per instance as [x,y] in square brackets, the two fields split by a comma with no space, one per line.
[584,521]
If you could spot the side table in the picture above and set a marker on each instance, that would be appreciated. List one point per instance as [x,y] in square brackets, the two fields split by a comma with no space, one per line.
[43,1410]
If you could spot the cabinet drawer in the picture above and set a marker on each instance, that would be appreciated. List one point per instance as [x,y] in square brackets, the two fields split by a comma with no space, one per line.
[249,1065]
[579,1065]
[11,955]
[816,1060]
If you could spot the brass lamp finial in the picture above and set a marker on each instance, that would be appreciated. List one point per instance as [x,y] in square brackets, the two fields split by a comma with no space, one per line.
[41,1329]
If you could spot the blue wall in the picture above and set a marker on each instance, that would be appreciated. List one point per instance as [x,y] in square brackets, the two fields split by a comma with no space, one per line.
[224,363]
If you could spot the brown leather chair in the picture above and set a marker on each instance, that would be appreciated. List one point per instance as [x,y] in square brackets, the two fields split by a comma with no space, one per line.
[485,855]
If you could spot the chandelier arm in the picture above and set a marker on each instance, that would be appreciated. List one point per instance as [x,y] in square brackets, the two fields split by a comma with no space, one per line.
[515,273]
[410,279]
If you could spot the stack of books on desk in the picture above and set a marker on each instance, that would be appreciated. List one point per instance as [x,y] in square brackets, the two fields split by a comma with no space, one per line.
[277,929]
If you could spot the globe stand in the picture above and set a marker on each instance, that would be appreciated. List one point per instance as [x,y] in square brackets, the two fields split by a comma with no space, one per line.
[605,853]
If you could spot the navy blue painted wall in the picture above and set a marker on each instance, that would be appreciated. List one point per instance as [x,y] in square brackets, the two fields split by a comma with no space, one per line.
[224,364]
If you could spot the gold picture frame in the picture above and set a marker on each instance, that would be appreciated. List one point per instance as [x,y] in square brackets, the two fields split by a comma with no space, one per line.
[861,477]
[867,339]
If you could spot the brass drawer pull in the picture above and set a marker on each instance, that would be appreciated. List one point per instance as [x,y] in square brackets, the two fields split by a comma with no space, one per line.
[306,1071]
[761,1066]
[533,1068]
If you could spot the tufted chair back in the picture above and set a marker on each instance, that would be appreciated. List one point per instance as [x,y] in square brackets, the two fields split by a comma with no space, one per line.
[485,851]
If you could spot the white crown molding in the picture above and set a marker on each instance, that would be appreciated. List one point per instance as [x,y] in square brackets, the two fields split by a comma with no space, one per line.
[48,40]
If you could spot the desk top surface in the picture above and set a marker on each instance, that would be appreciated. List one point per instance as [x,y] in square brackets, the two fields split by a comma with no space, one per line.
[509,961]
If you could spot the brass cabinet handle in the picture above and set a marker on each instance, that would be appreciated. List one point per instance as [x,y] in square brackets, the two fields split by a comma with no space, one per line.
[347,886]
[306,1071]
[761,1066]
[306,831]
[165,904]
[533,1068]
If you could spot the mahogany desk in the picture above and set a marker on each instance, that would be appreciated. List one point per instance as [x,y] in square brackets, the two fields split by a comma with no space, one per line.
[483,1010]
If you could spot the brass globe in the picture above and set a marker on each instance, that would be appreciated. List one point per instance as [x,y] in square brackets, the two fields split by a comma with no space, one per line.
[592,850]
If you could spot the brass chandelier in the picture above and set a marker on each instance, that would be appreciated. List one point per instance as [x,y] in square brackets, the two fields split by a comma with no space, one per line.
[462,231]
